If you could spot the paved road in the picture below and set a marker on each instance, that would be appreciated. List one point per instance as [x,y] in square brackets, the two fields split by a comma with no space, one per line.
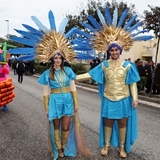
[23,127]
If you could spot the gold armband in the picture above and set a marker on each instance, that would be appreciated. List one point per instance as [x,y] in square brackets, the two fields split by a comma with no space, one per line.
[134,91]
[83,77]
[75,98]
[46,102]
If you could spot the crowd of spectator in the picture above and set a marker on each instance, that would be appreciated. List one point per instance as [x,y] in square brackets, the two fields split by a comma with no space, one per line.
[148,72]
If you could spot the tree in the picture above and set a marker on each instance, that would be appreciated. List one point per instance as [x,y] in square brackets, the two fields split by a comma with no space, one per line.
[92,5]
[152,22]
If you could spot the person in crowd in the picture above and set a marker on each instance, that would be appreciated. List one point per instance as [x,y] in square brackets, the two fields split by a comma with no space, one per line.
[14,66]
[141,72]
[149,73]
[157,73]
[117,83]
[20,71]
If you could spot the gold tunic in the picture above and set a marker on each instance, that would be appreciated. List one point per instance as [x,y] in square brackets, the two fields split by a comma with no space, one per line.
[115,87]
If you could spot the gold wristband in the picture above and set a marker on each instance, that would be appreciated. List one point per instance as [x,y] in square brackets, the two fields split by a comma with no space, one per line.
[134,91]
[46,102]
[75,98]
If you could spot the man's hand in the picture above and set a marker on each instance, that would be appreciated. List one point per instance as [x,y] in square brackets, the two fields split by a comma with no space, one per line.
[135,104]
[76,109]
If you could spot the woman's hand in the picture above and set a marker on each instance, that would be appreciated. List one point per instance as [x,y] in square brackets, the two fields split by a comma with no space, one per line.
[135,104]
[76,109]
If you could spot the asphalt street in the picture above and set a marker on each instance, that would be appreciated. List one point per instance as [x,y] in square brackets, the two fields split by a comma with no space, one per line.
[23,128]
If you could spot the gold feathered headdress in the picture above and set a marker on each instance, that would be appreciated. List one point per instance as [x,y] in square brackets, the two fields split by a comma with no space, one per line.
[45,43]
[53,43]
[111,31]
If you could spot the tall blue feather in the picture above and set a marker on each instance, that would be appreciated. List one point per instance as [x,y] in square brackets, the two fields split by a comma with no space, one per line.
[122,18]
[101,17]
[135,34]
[22,51]
[108,16]
[88,26]
[134,27]
[70,32]
[94,22]
[82,33]
[63,25]
[115,17]
[28,35]
[143,38]
[130,22]
[25,41]
[51,20]
[39,24]
[33,30]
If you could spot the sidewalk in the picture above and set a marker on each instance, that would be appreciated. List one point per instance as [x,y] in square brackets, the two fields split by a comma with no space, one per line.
[144,98]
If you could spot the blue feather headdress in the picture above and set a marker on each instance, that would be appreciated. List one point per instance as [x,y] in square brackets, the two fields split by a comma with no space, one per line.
[44,43]
[110,31]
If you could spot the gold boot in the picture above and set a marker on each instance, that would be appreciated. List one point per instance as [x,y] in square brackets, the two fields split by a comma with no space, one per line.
[105,149]
[64,139]
[122,133]
[58,142]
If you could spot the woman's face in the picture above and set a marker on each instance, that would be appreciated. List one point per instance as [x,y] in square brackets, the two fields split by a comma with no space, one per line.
[114,52]
[57,60]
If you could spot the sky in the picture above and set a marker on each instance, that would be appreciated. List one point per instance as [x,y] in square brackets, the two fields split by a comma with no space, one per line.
[19,12]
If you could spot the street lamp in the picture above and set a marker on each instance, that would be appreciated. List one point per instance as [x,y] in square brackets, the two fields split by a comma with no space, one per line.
[7,27]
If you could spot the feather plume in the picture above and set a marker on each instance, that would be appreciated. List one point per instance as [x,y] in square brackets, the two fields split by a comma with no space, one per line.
[25,41]
[88,26]
[70,32]
[63,25]
[33,30]
[135,34]
[100,15]
[122,18]
[108,16]
[22,51]
[94,22]
[82,33]
[28,35]
[143,38]
[39,24]
[51,20]
[130,22]
[134,27]
[115,17]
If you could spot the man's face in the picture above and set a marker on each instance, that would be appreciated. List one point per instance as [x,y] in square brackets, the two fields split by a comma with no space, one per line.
[114,52]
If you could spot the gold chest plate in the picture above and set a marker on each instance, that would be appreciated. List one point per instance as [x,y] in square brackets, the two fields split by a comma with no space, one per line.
[115,78]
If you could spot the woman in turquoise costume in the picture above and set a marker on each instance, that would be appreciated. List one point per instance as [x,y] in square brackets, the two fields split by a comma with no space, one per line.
[116,80]
[60,95]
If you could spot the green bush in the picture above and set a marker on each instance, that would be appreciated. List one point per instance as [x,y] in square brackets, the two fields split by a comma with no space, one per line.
[80,68]
[142,82]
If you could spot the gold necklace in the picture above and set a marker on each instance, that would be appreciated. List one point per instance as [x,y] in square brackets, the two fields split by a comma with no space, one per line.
[60,78]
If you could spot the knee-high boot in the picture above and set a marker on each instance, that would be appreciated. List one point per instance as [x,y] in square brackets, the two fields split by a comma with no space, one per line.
[64,138]
[105,149]
[58,141]
[122,134]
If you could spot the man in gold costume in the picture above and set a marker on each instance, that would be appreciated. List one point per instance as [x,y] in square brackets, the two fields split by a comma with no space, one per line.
[116,81]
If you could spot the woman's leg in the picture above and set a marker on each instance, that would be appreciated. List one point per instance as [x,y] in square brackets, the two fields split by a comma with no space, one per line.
[57,137]
[108,131]
[122,133]
[65,130]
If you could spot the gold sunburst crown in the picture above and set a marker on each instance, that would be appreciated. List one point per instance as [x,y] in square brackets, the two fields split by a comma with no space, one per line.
[110,34]
[52,43]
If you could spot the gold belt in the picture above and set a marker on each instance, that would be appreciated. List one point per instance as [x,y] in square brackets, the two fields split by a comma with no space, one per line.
[61,90]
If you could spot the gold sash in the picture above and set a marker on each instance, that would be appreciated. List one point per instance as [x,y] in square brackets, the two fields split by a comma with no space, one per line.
[61,90]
